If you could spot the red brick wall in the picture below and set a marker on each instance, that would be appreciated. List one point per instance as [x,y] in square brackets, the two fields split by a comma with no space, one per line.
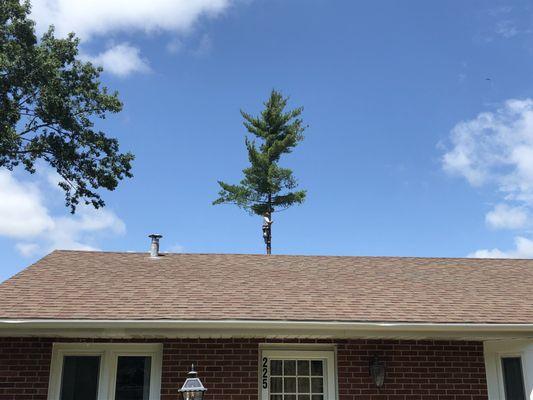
[24,368]
[414,370]
[440,370]
[228,368]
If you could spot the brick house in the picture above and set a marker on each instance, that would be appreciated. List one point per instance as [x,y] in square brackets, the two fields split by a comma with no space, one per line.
[127,326]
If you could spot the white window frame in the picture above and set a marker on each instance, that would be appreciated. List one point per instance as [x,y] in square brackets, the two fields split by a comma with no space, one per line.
[109,353]
[330,374]
[494,352]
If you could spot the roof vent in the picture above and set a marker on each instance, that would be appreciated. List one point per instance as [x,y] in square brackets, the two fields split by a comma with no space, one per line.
[154,247]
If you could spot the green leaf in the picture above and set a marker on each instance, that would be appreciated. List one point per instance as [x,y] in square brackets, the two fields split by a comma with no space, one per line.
[266,187]
[49,100]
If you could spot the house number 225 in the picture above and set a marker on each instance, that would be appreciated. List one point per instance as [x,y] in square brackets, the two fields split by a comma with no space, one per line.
[265,373]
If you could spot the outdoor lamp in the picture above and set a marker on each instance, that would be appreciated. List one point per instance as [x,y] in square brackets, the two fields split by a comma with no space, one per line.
[377,371]
[192,389]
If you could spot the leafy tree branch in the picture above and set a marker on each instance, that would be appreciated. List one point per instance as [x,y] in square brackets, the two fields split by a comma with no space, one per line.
[49,100]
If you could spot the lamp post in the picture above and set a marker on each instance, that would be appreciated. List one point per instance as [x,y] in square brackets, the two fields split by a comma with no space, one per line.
[192,388]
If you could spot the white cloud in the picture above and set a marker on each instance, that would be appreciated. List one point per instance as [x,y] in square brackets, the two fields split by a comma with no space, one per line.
[199,47]
[121,59]
[22,213]
[523,249]
[504,216]
[205,45]
[174,46]
[497,11]
[104,18]
[101,17]
[28,249]
[496,148]
[25,215]
[176,248]
[75,232]
[507,29]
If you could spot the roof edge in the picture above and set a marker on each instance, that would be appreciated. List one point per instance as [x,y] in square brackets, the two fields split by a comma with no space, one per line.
[253,324]
[210,329]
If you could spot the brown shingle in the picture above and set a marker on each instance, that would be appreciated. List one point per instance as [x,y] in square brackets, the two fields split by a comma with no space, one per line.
[98,285]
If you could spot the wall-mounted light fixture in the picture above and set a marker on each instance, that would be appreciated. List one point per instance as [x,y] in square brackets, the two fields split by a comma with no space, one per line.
[192,389]
[377,371]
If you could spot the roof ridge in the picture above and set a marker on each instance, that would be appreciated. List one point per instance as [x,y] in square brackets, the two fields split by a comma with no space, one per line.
[295,255]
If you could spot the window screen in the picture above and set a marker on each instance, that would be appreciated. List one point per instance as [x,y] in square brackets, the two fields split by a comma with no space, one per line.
[513,378]
[296,380]
[80,378]
[133,378]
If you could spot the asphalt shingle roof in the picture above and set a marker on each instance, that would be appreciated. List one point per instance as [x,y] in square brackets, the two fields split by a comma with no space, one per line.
[131,286]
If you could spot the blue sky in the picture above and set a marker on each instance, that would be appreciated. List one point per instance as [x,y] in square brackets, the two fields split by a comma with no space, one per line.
[420,138]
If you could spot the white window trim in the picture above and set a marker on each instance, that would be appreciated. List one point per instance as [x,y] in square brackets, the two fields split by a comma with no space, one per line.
[109,353]
[494,352]
[308,354]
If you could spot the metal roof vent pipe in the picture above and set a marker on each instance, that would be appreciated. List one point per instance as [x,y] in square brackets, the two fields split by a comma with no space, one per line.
[154,246]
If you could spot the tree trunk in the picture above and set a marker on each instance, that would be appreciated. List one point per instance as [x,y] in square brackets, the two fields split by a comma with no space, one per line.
[269,237]
[269,231]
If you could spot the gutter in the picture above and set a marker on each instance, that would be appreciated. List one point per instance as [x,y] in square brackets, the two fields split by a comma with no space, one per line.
[261,324]
[163,328]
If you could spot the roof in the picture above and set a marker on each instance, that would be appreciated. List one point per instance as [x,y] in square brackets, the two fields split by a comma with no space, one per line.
[131,286]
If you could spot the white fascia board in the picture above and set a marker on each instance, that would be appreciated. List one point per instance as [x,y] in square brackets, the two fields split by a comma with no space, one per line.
[258,328]
[248,324]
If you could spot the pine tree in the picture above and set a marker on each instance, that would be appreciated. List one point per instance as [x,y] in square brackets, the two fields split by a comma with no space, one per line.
[266,187]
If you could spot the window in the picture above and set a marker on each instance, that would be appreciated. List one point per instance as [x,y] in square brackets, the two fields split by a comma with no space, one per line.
[105,371]
[133,378]
[513,378]
[509,368]
[297,375]
[79,380]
